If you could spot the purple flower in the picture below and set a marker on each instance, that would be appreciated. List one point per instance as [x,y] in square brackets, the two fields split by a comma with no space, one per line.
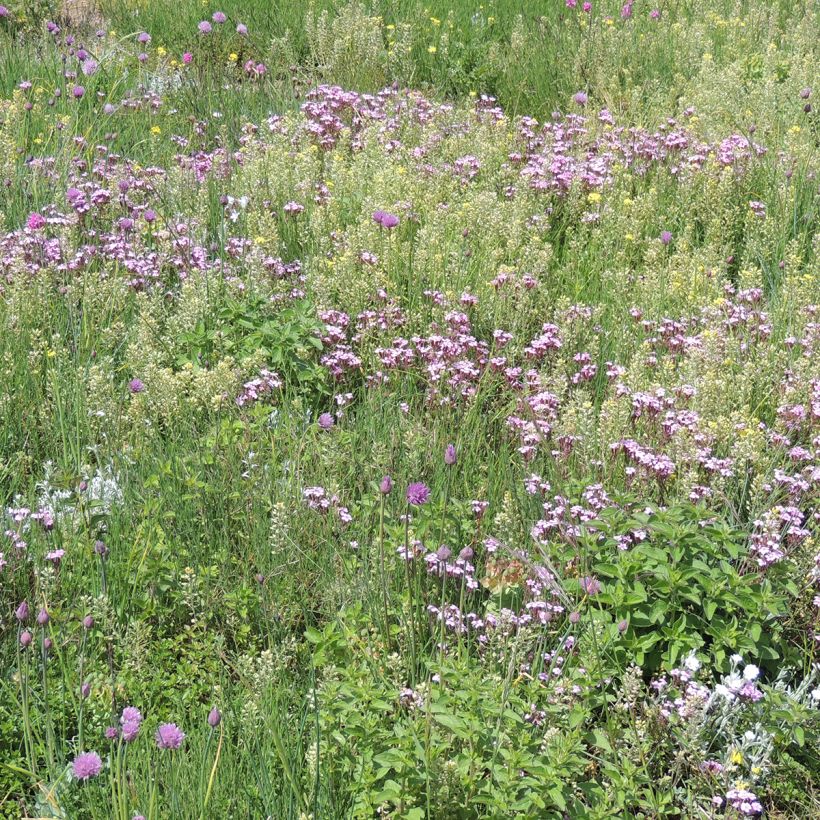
[580,98]
[590,585]
[35,221]
[219,17]
[90,67]
[88,622]
[78,92]
[130,730]
[86,765]
[666,237]
[131,715]
[325,421]
[150,215]
[214,718]
[805,93]
[85,690]
[418,494]
[169,736]
[242,30]
[22,611]
[385,219]
[4,12]
[144,37]
[205,27]
[111,733]
[25,639]
[136,386]
[43,617]
[386,485]
[450,455]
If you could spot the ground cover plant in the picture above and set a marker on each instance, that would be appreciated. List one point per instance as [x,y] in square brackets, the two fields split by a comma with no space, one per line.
[409,410]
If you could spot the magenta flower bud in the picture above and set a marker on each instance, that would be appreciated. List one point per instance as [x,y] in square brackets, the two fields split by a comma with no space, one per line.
[214,718]
[574,617]
[88,622]
[22,611]
[450,455]
[48,644]
[666,237]
[42,617]
[100,548]
[111,733]
[85,690]
[622,626]
[25,639]
[78,91]
[386,485]
[83,486]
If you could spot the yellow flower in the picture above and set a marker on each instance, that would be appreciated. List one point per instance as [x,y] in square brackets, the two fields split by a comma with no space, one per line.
[736,757]
[627,201]
[390,27]
[629,237]
[155,129]
[162,51]
[431,49]
[233,56]
[594,197]
[435,21]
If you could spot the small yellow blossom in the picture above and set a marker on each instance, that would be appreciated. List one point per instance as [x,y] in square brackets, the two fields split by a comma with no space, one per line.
[594,197]
[162,51]
[155,129]
[431,49]
[233,56]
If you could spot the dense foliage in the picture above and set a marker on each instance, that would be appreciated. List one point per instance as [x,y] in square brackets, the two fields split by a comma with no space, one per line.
[409,412]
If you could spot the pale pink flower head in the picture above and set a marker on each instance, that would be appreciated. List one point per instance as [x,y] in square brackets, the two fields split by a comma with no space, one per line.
[86,765]
[169,736]
[205,27]
[219,17]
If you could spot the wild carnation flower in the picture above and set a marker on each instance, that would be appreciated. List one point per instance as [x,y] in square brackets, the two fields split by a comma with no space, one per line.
[187,57]
[169,736]
[35,221]
[418,494]
[86,765]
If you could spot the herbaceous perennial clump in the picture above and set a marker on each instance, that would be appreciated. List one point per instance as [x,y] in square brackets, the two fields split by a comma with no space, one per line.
[410,453]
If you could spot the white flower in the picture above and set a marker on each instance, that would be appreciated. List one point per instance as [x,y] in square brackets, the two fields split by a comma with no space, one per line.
[692,663]
[815,694]
[750,671]
[724,692]
[736,658]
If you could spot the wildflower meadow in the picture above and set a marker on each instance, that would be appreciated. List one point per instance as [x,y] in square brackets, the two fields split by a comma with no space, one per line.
[409,410]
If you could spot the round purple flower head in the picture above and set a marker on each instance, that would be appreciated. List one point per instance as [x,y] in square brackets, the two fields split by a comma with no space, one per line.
[169,736]
[136,386]
[205,27]
[78,91]
[143,37]
[242,30]
[214,718]
[385,219]
[22,611]
[219,17]
[590,585]
[450,455]
[111,733]
[131,715]
[25,639]
[35,221]
[4,12]
[86,765]
[386,485]
[130,730]
[580,98]
[666,237]
[325,421]
[418,494]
